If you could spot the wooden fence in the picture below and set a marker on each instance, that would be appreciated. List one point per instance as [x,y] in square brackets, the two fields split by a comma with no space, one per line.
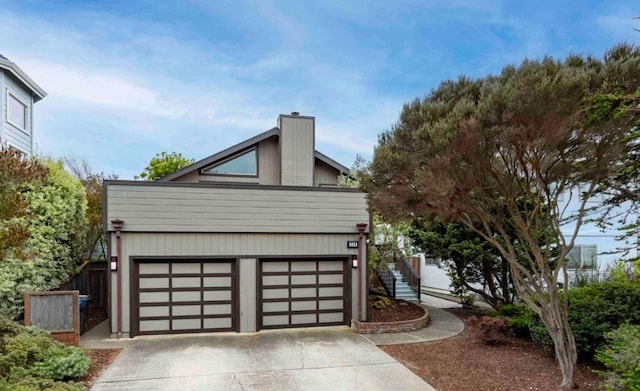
[57,312]
[92,281]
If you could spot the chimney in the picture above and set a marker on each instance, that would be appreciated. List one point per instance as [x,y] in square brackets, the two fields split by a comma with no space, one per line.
[297,146]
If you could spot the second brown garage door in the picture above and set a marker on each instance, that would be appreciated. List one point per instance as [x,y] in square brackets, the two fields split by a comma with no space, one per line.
[303,292]
[184,295]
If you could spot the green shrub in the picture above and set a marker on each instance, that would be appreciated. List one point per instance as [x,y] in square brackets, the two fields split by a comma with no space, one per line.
[594,310]
[511,310]
[57,228]
[34,353]
[467,301]
[36,384]
[31,360]
[621,355]
[521,325]
[380,301]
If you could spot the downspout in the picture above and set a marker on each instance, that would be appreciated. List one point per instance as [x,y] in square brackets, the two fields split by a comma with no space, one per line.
[117,225]
[361,228]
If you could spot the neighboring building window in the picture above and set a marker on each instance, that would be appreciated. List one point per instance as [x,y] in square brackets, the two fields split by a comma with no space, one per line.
[17,112]
[583,256]
[244,164]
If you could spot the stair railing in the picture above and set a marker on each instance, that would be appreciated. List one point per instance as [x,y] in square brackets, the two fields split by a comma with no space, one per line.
[412,277]
[388,279]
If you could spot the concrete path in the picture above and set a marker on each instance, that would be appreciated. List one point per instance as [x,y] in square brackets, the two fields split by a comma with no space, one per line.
[442,324]
[302,359]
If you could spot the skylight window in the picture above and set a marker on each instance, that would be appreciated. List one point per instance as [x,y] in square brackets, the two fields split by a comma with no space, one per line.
[244,164]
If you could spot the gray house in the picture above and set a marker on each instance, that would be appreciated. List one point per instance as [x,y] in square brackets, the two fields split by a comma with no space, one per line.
[19,93]
[258,236]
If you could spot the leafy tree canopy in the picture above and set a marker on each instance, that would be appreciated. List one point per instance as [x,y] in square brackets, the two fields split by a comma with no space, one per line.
[163,164]
[497,154]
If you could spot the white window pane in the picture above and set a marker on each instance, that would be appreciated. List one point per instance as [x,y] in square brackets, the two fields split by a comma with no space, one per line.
[245,164]
[16,112]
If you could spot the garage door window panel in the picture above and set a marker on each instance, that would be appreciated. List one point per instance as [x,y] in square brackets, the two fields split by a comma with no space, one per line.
[296,293]
[180,296]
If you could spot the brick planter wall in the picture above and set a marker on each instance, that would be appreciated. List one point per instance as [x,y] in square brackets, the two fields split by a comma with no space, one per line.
[390,327]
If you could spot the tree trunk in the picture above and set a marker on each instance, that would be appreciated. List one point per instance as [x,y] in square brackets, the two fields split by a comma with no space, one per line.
[564,343]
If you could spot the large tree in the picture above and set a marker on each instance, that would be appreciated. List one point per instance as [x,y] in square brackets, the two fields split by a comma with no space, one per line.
[498,155]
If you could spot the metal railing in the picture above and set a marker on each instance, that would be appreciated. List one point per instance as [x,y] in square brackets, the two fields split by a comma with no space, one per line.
[388,279]
[412,277]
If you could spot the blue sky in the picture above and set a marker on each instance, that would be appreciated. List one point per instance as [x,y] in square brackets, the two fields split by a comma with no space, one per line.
[128,79]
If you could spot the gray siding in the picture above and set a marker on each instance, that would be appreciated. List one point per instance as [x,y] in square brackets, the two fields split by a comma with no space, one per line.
[268,168]
[325,174]
[161,207]
[235,245]
[296,150]
[10,134]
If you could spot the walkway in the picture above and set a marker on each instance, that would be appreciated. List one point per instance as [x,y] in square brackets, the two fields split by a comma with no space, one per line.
[442,324]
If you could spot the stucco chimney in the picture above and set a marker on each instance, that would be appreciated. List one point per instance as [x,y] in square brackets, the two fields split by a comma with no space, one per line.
[297,145]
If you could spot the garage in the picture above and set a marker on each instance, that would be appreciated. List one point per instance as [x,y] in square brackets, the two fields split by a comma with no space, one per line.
[259,235]
[303,292]
[184,295]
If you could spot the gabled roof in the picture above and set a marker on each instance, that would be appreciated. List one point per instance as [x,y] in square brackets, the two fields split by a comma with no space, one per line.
[327,160]
[241,146]
[15,70]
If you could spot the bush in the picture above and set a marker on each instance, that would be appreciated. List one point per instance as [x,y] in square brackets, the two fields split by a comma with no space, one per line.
[380,301]
[57,228]
[621,355]
[594,310]
[31,360]
[521,324]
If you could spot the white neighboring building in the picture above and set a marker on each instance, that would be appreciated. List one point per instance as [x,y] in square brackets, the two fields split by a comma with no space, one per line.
[594,249]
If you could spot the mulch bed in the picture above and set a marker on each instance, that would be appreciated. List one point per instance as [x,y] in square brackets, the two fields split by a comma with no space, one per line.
[397,311]
[100,360]
[465,363]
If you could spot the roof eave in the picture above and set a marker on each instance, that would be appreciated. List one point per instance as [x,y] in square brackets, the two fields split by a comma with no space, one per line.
[221,155]
[18,73]
[327,160]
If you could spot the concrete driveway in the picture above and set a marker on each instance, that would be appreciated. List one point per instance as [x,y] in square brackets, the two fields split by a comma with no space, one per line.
[301,359]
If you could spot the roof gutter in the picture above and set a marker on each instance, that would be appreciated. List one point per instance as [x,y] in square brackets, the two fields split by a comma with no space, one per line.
[10,66]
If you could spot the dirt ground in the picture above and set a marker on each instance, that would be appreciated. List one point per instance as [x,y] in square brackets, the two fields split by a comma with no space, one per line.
[397,311]
[465,363]
[100,360]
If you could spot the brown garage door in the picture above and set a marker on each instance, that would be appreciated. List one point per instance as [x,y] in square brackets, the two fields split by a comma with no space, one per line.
[184,295]
[303,292]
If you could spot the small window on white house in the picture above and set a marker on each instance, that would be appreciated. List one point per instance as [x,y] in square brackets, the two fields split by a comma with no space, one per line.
[244,164]
[582,256]
[17,112]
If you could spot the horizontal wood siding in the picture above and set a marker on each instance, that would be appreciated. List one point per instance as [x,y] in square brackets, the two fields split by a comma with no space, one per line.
[15,137]
[203,209]
[202,244]
[217,245]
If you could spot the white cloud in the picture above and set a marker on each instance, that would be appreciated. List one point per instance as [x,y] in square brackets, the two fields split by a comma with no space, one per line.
[99,87]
